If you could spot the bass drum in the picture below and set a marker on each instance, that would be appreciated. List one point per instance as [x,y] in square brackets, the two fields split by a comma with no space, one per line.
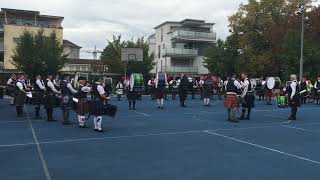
[273,83]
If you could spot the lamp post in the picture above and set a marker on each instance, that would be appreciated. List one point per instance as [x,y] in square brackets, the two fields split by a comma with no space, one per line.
[302,9]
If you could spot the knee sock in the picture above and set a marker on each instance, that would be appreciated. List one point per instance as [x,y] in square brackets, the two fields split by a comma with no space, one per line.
[134,104]
[249,112]
[95,122]
[161,102]
[99,122]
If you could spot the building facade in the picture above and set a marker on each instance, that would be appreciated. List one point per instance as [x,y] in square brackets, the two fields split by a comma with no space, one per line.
[71,49]
[179,47]
[12,24]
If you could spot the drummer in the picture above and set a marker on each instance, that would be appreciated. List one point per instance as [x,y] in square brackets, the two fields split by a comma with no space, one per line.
[268,93]
[119,90]
[247,96]
[293,94]
[82,110]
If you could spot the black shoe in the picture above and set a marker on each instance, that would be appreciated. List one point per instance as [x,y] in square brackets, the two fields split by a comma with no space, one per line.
[159,107]
[96,130]
[82,126]
[101,130]
[67,123]
[292,118]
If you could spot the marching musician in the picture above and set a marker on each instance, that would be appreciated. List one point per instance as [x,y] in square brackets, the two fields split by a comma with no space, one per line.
[183,90]
[201,83]
[220,88]
[11,87]
[132,94]
[97,104]
[151,86]
[293,95]
[268,93]
[119,90]
[194,87]
[231,102]
[50,100]
[20,95]
[67,92]
[56,82]
[39,92]
[82,104]
[317,89]
[247,96]
[207,90]
[303,89]
[173,88]
[161,82]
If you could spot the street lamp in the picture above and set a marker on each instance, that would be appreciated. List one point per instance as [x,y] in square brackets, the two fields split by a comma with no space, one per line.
[301,9]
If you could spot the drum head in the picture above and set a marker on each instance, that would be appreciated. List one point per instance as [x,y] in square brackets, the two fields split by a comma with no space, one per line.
[271,82]
[253,83]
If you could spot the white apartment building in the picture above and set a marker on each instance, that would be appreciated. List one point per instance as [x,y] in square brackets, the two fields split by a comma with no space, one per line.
[179,47]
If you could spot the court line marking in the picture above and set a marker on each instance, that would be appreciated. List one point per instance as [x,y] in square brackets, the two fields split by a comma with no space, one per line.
[40,153]
[263,147]
[141,113]
[280,117]
[301,129]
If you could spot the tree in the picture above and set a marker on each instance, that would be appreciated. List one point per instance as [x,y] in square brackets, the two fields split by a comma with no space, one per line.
[111,56]
[37,54]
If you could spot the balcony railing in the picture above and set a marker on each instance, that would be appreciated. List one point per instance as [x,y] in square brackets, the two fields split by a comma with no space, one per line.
[176,52]
[180,69]
[1,45]
[193,35]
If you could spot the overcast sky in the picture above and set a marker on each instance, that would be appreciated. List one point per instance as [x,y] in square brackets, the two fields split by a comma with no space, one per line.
[92,22]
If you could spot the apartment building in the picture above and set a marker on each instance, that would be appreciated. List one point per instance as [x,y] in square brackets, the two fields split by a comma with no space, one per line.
[14,21]
[179,47]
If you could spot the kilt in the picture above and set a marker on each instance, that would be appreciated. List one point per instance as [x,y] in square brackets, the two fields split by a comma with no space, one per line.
[67,102]
[83,107]
[207,93]
[268,93]
[296,101]
[159,93]
[38,98]
[50,101]
[132,95]
[174,90]
[97,107]
[20,99]
[248,101]
[231,101]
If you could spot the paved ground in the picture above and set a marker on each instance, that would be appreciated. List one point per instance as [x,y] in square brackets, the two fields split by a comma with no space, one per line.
[175,143]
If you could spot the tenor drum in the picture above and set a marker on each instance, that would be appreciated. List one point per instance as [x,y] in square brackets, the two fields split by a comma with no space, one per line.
[273,83]
[138,80]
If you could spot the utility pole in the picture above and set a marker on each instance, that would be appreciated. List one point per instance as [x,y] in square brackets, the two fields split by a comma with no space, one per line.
[302,9]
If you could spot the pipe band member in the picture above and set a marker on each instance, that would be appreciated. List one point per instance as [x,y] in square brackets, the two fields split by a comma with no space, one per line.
[119,90]
[132,94]
[231,102]
[97,104]
[20,97]
[50,99]
[67,92]
[303,84]
[161,82]
[247,96]
[11,87]
[82,104]
[294,97]
[317,89]
[207,90]
[183,89]
[39,92]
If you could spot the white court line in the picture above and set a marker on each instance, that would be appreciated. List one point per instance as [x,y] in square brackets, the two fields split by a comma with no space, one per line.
[21,121]
[263,147]
[141,113]
[302,129]
[44,164]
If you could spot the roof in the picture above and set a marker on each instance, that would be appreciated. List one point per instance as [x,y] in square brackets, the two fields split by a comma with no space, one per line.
[69,43]
[184,21]
[83,61]
[29,12]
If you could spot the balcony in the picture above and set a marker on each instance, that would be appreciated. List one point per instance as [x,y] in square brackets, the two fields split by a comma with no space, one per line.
[193,36]
[177,52]
[1,45]
[181,69]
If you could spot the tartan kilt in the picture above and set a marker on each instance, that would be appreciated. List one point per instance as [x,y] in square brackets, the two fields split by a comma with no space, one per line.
[38,98]
[268,93]
[231,101]
[50,101]
[20,99]
[159,93]
[83,107]
[248,101]
[132,95]
[97,107]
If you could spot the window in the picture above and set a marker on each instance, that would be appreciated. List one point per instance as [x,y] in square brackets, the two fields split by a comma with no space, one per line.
[163,46]
[1,56]
[77,68]
[159,51]
[173,45]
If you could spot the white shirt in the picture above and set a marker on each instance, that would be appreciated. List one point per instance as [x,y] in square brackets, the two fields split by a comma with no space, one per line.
[40,84]
[293,86]
[150,82]
[237,84]
[119,86]
[100,90]
[20,85]
[9,82]
[245,86]
[51,86]
[70,87]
